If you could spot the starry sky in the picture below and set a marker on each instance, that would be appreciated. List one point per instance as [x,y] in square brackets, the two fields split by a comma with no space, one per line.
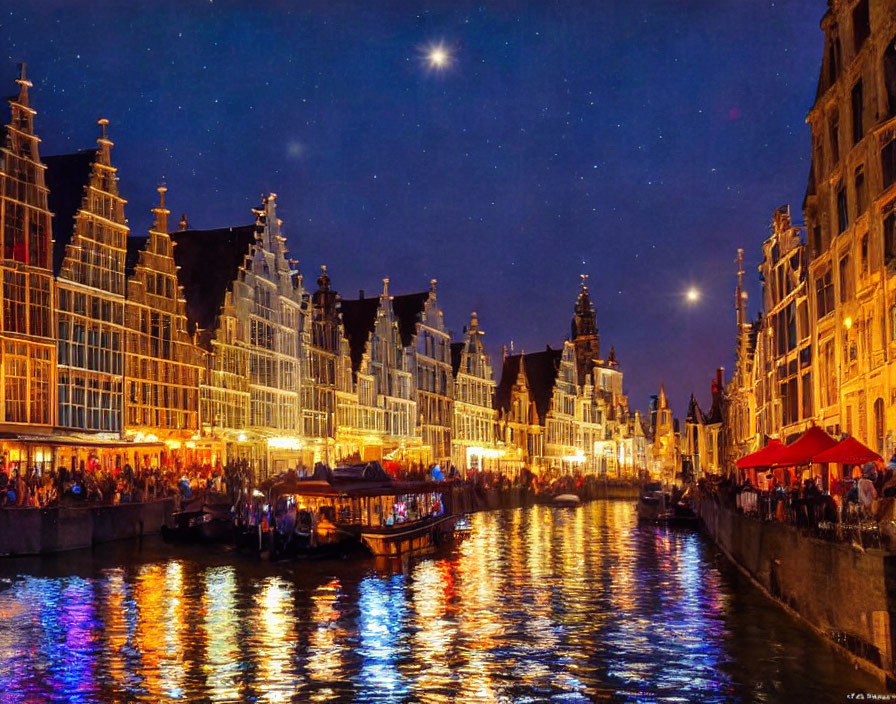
[640,143]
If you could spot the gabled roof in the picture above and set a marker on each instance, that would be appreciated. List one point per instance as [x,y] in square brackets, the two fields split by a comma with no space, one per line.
[135,246]
[541,372]
[209,262]
[359,321]
[66,176]
[695,413]
[409,310]
[457,349]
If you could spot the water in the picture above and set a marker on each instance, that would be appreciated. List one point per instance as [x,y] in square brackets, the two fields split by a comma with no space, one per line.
[539,605]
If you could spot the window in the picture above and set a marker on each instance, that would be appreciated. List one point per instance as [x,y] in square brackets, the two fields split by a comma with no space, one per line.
[890,235]
[824,293]
[833,60]
[842,210]
[888,161]
[846,283]
[816,240]
[890,76]
[861,25]
[879,424]
[861,191]
[834,136]
[858,128]
[865,254]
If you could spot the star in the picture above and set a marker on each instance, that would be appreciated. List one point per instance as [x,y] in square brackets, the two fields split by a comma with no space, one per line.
[438,57]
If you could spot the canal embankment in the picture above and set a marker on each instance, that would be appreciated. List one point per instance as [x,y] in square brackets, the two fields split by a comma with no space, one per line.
[37,531]
[845,592]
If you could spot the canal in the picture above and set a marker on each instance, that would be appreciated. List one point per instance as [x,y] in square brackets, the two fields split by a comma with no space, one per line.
[540,604]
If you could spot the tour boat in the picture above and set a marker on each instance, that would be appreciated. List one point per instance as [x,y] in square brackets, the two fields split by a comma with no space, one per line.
[360,505]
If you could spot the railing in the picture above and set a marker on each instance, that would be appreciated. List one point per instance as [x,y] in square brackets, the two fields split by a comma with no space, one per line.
[817,515]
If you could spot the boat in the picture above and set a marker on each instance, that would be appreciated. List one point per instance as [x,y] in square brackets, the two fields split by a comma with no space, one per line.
[207,524]
[360,505]
[658,505]
[566,500]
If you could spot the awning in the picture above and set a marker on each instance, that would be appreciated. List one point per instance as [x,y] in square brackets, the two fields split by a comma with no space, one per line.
[849,451]
[762,458]
[804,449]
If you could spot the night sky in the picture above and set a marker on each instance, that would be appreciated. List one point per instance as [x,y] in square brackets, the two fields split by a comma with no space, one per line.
[640,142]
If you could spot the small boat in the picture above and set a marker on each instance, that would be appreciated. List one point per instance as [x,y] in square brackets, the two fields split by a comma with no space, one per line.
[566,501]
[209,524]
[657,505]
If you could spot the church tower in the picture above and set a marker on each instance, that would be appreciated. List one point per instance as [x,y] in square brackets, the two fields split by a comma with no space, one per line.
[585,338]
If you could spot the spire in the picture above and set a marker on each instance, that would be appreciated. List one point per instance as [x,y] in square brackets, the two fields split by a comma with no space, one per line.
[611,359]
[184,223]
[24,85]
[661,399]
[386,287]
[323,281]
[432,287]
[521,378]
[474,323]
[104,143]
[161,212]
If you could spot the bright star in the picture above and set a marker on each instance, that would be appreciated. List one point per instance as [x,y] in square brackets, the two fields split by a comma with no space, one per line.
[692,295]
[437,57]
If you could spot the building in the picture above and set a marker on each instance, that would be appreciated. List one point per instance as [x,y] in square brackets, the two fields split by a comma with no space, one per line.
[247,313]
[665,452]
[28,333]
[162,362]
[703,441]
[423,334]
[384,380]
[850,216]
[473,440]
[90,243]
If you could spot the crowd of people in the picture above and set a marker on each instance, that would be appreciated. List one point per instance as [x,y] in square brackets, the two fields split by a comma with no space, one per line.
[91,483]
[865,495]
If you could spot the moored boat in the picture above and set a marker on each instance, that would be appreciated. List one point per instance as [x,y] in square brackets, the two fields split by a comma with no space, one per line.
[566,500]
[208,524]
[657,505]
[360,505]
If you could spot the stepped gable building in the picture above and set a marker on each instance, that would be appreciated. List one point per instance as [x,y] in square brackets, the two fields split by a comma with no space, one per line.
[89,258]
[28,335]
[385,379]
[247,312]
[422,330]
[331,414]
[473,443]
[850,216]
[162,363]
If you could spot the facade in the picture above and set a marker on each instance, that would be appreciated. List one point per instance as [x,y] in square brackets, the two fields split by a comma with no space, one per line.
[162,363]
[473,444]
[247,313]
[783,359]
[665,453]
[703,443]
[90,243]
[424,336]
[850,215]
[28,333]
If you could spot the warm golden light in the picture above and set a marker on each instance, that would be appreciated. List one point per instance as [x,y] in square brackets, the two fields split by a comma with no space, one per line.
[847,322]
[693,295]
[437,57]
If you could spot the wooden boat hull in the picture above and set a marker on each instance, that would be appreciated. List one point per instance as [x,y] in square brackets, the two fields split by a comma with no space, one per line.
[403,539]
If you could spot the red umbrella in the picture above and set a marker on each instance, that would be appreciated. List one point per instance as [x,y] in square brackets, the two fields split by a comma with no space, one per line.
[849,451]
[762,458]
[804,449]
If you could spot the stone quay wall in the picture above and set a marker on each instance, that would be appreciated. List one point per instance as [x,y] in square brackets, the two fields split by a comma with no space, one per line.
[846,593]
[35,531]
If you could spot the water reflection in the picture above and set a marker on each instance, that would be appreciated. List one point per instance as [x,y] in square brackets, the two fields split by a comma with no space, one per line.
[540,604]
